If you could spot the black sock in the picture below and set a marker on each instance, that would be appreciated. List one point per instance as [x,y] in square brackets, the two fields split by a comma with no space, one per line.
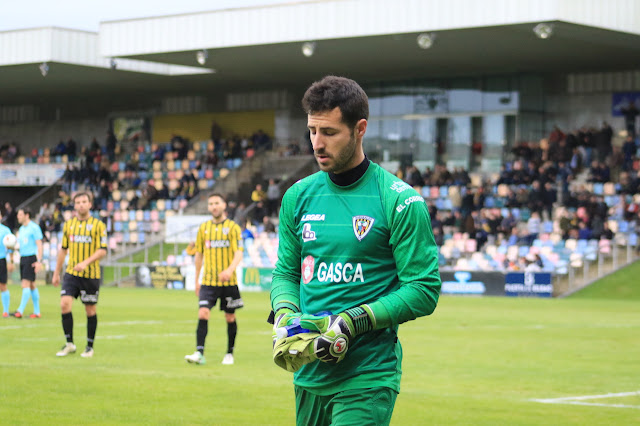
[201,334]
[92,325]
[67,326]
[232,330]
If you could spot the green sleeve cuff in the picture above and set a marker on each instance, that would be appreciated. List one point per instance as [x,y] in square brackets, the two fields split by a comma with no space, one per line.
[381,317]
[285,304]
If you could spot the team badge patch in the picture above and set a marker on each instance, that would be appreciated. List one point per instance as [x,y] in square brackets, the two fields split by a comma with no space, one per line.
[307,269]
[362,225]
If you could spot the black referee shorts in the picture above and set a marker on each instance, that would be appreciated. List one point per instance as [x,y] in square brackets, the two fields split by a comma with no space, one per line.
[27,271]
[3,271]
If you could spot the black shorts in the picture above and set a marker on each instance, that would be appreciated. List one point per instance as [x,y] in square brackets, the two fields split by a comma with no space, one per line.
[229,296]
[3,271]
[87,288]
[27,271]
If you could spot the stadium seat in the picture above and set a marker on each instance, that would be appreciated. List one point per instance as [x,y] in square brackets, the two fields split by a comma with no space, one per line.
[604,246]
[570,244]
[623,226]
[609,188]
[576,260]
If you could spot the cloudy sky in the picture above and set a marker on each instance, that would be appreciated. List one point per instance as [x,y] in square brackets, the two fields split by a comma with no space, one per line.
[87,14]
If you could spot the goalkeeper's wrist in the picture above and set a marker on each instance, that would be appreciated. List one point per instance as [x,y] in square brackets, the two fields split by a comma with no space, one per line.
[362,319]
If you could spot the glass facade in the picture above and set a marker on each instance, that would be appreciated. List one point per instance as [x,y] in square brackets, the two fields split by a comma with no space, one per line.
[467,122]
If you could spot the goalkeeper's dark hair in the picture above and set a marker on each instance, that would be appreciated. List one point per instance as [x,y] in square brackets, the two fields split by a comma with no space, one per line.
[341,92]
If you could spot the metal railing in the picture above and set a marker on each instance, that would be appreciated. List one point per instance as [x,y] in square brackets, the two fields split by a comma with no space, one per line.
[593,268]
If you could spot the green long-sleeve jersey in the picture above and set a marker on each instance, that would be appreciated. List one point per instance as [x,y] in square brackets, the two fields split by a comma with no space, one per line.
[370,242]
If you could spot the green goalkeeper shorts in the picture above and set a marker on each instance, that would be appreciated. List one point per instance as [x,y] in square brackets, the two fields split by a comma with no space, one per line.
[359,407]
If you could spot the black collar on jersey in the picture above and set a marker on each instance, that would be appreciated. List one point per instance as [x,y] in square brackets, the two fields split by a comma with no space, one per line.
[350,176]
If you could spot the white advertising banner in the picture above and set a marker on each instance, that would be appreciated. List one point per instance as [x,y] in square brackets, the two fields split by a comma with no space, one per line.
[30,174]
[183,229]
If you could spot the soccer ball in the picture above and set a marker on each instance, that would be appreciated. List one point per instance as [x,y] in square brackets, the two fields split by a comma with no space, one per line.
[10,241]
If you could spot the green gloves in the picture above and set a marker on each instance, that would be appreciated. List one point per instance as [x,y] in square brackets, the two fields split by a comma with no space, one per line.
[325,338]
[295,351]
[282,317]
[336,331]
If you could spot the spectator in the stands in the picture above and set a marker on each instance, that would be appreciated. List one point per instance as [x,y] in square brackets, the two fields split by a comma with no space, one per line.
[258,194]
[413,177]
[267,225]
[584,233]
[60,149]
[273,197]
[10,217]
[629,149]
[72,149]
[111,144]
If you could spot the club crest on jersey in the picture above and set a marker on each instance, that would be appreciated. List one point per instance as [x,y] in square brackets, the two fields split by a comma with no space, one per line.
[307,269]
[362,225]
[225,230]
[89,227]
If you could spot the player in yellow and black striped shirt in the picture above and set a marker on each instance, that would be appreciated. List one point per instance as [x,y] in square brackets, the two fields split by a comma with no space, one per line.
[219,246]
[85,239]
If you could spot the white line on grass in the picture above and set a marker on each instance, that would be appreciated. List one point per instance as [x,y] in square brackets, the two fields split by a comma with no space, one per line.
[102,324]
[112,337]
[578,400]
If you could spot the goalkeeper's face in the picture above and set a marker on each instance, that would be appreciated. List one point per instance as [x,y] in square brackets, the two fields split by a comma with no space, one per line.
[336,146]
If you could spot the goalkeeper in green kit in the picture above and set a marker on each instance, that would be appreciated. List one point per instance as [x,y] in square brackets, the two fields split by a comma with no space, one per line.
[356,258]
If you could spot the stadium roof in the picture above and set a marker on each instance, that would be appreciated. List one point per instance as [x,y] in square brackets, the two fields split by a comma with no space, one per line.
[260,47]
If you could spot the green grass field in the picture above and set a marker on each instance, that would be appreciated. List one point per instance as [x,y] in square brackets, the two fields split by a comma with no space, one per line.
[476,361]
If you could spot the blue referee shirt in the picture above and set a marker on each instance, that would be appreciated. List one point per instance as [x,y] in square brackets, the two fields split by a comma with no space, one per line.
[4,230]
[28,236]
